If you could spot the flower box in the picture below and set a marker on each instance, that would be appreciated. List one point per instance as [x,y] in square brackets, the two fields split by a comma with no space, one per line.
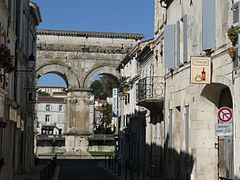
[6,59]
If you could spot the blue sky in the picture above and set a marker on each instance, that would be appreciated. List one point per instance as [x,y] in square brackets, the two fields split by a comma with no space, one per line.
[130,16]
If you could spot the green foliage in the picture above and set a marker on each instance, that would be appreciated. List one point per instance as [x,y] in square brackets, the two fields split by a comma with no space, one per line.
[97,89]
[42,93]
[107,114]
[102,88]
[101,153]
[233,31]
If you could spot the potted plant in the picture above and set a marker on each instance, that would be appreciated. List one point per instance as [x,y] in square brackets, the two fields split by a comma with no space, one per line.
[232,52]
[6,59]
[125,84]
[233,32]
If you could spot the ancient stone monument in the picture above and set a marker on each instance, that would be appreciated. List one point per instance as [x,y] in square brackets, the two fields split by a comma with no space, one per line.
[79,57]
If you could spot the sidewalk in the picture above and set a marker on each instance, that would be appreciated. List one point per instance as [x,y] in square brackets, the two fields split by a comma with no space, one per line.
[33,174]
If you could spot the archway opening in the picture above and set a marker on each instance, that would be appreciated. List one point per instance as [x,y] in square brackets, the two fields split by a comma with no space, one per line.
[102,88]
[220,96]
[52,80]
[51,113]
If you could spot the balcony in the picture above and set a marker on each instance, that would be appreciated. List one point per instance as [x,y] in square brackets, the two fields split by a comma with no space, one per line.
[150,93]
[3,79]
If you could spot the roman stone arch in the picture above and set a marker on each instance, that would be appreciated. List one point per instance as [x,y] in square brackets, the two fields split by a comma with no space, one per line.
[103,70]
[71,79]
[78,57]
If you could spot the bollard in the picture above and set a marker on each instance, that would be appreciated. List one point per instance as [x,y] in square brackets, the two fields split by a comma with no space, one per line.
[109,162]
[131,170]
[112,164]
[143,171]
[119,168]
[125,169]
[105,163]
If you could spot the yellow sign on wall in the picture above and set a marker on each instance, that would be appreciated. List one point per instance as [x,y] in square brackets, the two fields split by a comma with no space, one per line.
[200,70]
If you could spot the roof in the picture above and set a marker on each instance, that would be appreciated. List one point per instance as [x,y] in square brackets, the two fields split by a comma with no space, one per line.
[136,50]
[114,35]
[50,99]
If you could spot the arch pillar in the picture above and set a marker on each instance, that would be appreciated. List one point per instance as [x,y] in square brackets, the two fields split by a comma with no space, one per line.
[80,112]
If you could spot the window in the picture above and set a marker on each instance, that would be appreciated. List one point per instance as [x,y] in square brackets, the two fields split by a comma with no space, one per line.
[169,46]
[60,108]
[208,24]
[48,107]
[47,118]
[59,131]
[182,41]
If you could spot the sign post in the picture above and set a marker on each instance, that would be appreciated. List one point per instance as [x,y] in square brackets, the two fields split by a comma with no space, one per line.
[225,114]
[224,128]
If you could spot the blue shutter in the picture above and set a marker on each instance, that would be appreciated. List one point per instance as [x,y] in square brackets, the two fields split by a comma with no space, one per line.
[208,24]
[185,39]
[178,43]
[169,46]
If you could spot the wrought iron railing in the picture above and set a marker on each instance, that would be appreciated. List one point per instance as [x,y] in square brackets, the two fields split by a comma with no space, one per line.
[3,79]
[150,88]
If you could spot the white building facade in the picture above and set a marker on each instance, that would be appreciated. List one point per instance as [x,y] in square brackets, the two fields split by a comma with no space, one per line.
[51,125]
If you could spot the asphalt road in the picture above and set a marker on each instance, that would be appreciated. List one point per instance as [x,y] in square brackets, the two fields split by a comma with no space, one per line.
[83,169]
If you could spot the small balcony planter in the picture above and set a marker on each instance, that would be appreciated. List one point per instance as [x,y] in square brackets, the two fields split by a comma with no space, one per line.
[233,34]
[232,52]
[6,59]
[124,84]
[125,89]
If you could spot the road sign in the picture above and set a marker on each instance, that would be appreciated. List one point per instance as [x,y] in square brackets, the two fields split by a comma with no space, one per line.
[224,129]
[225,114]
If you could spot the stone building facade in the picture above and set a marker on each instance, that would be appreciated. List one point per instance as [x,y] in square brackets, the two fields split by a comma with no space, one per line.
[181,124]
[18,21]
[183,30]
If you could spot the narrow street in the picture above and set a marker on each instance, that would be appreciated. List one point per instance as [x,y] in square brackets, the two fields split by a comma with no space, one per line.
[83,169]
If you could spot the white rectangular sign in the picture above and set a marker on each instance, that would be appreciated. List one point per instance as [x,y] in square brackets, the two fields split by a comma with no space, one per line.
[200,70]
[224,129]
[114,102]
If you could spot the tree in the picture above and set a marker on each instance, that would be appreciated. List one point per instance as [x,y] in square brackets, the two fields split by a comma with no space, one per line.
[97,89]
[43,93]
[102,88]
[107,114]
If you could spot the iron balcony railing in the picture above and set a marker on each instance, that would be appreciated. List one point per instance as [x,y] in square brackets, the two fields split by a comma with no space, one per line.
[150,88]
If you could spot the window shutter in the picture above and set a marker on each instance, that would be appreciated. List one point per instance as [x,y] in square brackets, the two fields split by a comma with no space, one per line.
[185,39]
[178,43]
[169,46]
[208,24]
[236,13]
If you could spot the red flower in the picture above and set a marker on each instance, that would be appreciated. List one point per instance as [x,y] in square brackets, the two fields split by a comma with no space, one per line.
[6,59]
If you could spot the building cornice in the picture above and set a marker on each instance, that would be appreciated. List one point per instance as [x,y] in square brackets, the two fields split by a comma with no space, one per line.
[36,12]
[87,34]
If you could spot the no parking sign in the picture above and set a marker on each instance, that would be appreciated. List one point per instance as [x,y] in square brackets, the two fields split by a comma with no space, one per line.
[225,114]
